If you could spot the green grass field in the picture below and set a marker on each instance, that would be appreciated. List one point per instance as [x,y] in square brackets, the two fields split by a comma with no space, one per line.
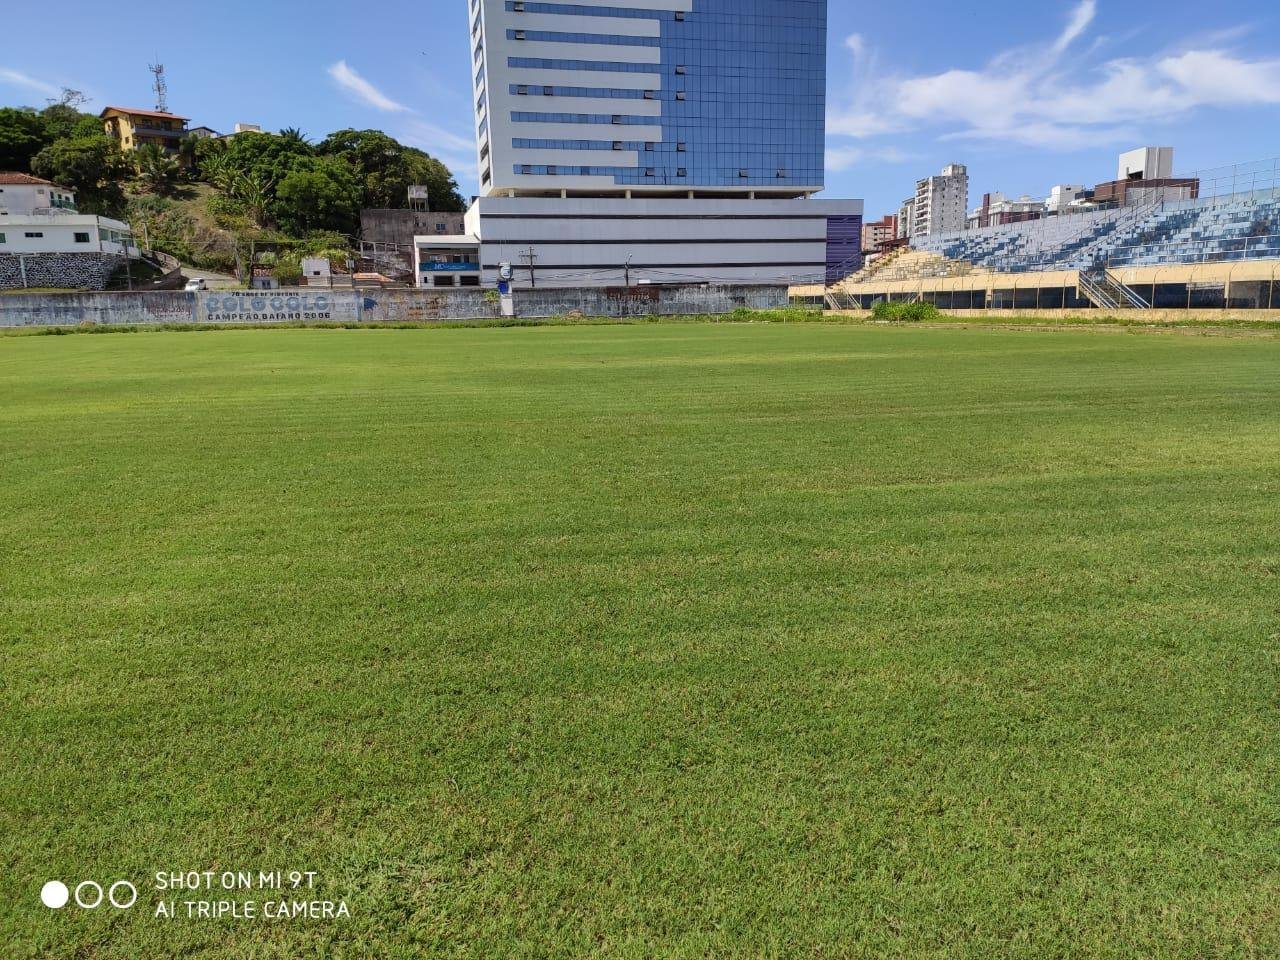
[646,641]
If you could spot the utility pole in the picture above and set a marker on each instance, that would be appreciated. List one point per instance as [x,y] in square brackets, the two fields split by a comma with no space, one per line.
[627,269]
[532,258]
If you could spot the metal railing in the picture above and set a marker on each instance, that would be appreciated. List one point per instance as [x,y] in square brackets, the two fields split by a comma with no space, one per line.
[1097,293]
[1264,247]
[1126,293]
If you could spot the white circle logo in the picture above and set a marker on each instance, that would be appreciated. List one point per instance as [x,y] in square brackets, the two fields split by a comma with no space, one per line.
[91,885]
[89,895]
[133,894]
[54,894]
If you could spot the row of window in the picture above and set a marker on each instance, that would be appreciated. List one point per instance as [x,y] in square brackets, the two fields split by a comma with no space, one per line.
[609,39]
[741,9]
[600,93]
[527,143]
[552,170]
[731,67]
[522,6]
[39,235]
[524,90]
[618,119]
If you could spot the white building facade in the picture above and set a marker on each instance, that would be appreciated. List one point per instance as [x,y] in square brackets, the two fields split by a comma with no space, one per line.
[46,242]
[1146,163]
[447,261]
[22,195]
[906,218]
[554,242]
[37,216]
[663,141]
[1062,195]
[66,233]
[941,202]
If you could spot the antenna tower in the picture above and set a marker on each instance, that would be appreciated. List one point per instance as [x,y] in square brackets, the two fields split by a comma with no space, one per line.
[160,87]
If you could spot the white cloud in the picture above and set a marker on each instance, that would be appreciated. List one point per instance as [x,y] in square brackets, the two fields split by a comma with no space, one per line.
[1044,96]
[1212,77]
[16,78]
[842,158]
[457,152]
[428,135]
[845,157]
[1081,17]
[362,90]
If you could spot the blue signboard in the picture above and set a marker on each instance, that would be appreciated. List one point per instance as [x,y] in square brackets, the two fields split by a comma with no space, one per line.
[433,266]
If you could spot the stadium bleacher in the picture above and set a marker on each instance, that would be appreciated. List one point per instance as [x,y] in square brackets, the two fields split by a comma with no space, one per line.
[1216,229]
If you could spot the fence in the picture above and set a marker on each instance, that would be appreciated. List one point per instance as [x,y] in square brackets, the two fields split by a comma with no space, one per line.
[390,306]
[1211,286]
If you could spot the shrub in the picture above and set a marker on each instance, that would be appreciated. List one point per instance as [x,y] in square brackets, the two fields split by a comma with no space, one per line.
[904,312]
[228,212]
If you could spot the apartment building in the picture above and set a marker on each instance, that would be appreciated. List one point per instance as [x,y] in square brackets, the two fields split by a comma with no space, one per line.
[941,202]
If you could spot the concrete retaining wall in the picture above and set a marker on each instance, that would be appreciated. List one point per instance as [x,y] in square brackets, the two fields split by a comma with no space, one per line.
[89,271]
[388,306]
[73,309]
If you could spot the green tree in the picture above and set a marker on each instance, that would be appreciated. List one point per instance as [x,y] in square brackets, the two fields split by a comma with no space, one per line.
[187,151]
[210,155]
[322,194]
[386,168]
[92,166]
[157,169]
[21,138]
[255,191]
[264,155]
[62,121]
[293,135]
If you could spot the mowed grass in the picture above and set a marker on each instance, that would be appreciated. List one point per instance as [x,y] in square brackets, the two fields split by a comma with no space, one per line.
[646,641]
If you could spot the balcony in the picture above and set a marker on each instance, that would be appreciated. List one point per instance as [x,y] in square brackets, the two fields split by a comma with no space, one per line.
[154,130]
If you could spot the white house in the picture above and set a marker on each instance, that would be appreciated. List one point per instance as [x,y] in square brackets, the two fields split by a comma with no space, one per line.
[22,195]
[38,217]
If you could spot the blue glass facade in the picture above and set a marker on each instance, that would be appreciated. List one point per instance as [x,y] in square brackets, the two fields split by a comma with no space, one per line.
[742,93]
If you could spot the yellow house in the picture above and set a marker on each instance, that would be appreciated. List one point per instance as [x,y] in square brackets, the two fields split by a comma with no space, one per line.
[134,128]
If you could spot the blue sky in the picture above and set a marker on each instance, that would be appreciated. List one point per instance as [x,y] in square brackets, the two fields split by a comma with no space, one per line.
[1027,94]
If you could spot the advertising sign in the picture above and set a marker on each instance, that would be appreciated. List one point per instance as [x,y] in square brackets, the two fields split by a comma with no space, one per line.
[447,266]
[237,306]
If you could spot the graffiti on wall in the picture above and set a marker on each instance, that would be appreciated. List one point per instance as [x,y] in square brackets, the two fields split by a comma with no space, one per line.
[235,306]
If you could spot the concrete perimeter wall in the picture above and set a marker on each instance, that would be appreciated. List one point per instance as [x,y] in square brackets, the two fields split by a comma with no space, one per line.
[385,306]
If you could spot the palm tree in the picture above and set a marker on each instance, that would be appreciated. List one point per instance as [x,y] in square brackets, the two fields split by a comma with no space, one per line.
[187,151]
[255,191]
[294,136]
[218,171]
[156,168]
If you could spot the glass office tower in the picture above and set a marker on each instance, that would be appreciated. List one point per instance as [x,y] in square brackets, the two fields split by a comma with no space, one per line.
[625,142]
[651,95]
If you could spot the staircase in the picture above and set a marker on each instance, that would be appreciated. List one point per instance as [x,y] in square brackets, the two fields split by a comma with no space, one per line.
[1107,292]
[873,267]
